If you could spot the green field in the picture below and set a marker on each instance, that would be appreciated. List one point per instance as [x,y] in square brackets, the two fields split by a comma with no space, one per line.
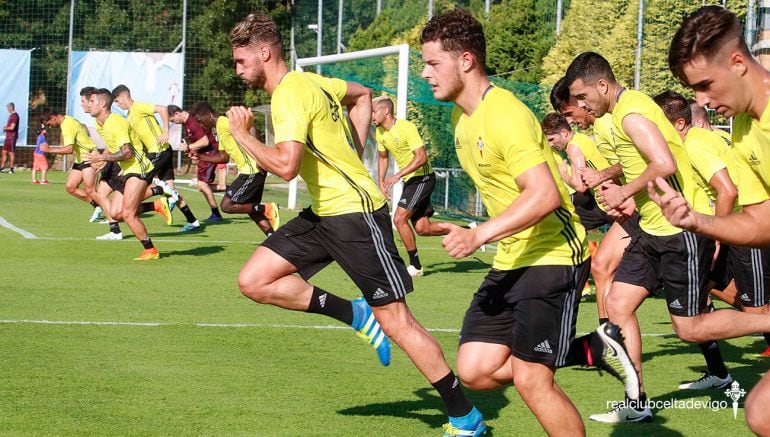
[93,343]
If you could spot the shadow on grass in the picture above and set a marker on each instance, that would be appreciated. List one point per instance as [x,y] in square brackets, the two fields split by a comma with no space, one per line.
[194,251]
[469,265]
[430,409]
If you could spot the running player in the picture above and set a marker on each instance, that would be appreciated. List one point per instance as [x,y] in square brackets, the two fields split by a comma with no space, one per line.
[348,221]
[77,142]
[520,325]
[605,261]
[127,151]
[649,147]
[708,54]
[244,196]
[401,139]
[195,138]
[154,137]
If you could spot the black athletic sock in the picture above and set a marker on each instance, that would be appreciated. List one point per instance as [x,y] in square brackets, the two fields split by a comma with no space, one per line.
[114,227]
[585,351]
[259,208]
[414,259]
[767,337]
[603,320]
[451,393]
[323,302]
[147,243]
[146,207]
[93,203]
[713,356]
[187,214]
[638,404]
[156,191]
[215,211]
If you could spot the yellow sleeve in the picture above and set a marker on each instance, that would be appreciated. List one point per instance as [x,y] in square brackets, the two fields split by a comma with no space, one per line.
[143,108]
[706,163]
[289,106]
[413,138]
[120,131]
[69,132]
[337,86]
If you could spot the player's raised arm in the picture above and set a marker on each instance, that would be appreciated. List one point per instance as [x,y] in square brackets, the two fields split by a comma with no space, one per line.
[358,100]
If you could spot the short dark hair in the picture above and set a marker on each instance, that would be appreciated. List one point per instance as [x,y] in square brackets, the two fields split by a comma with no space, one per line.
[674,105]
[105,95]
[86,91]
[11,105]
[46,114]
[256,28]
[559,95]
[553,123]
[589,67]
[458,31]
[173,110]
[703,33]
[697,110]
[202,108]
[120,89]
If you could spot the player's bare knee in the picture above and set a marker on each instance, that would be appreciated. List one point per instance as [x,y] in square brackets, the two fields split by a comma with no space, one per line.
[71,189]
[253,286]
[688,331]
[422,228]
[758,422]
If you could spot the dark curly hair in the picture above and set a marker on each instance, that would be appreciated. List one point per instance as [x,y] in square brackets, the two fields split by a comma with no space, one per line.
[458,31]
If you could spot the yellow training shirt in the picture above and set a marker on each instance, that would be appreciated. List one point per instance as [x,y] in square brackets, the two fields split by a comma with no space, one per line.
[401,141]
[706,150]
[634,102]
[594,159]
[115,133]
[751,148]
[604,139]
[306,108]
[245,162]
[75,133]
[559,160]
[141,118]
[497,143]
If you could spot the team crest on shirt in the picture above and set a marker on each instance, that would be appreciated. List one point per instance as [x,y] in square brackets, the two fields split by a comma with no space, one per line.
[457,144]
[753,160]
[480,143]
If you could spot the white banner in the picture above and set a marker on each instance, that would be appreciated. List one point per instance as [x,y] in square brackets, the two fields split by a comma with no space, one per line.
[156,78]
[14,88]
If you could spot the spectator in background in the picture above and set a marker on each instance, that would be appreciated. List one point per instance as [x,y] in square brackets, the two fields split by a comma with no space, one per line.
[11,136]
[40,162]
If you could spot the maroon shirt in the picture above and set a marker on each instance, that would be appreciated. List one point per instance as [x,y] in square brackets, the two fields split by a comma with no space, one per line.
[193,131]
[13,134]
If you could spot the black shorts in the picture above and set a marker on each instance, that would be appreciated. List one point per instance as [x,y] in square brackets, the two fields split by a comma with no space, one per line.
[532,310]
[750,267]
[164,164]
[591,216]
[147,177]
[415,196]
[111,175]
[247,188]
[678,263]
[80,166]
[361,243]
[631,225]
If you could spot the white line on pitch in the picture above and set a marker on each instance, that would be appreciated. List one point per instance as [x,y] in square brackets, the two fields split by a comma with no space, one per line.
[4,223]
[231,325]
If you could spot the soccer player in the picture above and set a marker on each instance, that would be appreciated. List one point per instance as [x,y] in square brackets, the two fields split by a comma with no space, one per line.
[244,196]
[77,142]
[195,138]
[401,139]
[348,221]
[154,136]
[709,55]
[649,147]
[520,325]
[605,261]
[708,155]
[125,149]
[11,130]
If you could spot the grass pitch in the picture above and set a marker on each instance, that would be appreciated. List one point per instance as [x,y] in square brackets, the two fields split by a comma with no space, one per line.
[93,343]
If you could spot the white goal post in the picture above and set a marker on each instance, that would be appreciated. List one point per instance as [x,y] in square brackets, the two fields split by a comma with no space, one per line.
[402,51]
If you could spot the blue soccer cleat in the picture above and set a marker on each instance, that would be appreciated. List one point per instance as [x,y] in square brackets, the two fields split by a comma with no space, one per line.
[472,424]
[369,329]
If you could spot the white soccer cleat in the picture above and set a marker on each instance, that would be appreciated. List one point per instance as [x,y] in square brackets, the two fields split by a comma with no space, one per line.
[624,413]
[708,381]
[414,271]
[111,236]
[96,215]
[172,194]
